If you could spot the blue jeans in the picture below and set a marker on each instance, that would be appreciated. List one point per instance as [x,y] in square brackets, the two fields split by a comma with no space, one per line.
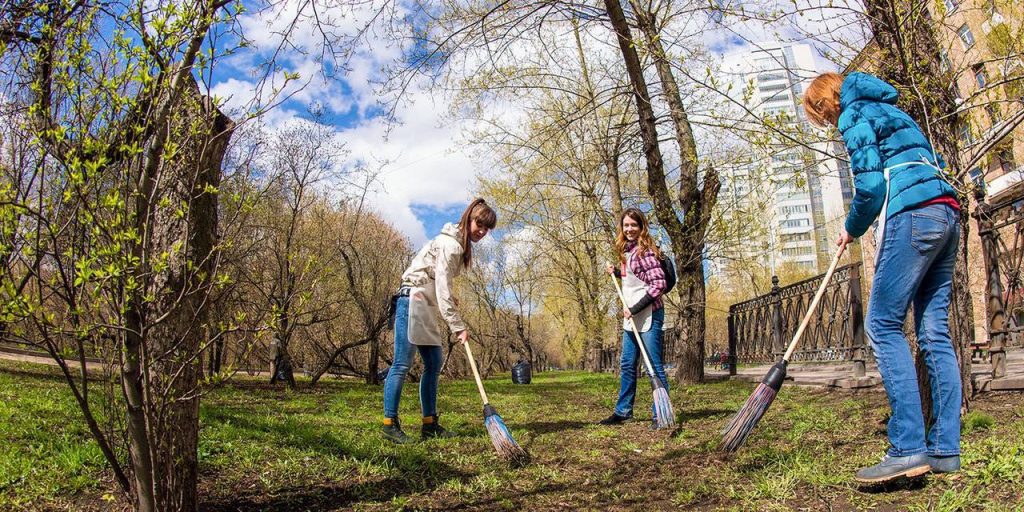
[916,266]
[431,355]
[631,358]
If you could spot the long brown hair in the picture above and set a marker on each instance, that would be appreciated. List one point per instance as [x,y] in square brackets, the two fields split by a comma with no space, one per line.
[643,240]
[479,211]
[821,101]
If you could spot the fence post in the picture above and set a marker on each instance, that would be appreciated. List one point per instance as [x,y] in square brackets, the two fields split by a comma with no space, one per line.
[857,323]
[732,343]
[993,286]
[777,341]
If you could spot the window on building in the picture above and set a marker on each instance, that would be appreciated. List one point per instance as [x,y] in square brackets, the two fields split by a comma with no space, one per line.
[966,134]
[994,113]
[993,12]
[794,223]
[772,87]
[951,5]
[769,63]
[956,92]
[1006,163]
[966,36]
[977,177]
[980,75]
[797,251]
[944,63]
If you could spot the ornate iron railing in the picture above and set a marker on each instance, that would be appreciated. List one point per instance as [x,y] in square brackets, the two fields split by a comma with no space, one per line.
[1002,247]
[760,328]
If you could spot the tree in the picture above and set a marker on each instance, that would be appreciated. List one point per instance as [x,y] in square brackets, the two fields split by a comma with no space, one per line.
[119,231]
[369,277]
[114,223]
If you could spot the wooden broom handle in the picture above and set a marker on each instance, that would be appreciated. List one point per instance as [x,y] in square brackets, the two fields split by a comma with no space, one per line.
[476,374]
[814,303]
[636,332]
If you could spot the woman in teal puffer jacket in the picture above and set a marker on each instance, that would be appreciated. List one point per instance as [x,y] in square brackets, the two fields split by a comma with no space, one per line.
[899,180]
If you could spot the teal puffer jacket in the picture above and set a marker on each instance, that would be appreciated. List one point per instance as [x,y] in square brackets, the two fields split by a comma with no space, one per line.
[878,135]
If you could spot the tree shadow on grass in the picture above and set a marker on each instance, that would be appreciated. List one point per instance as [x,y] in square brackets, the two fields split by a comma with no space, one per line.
[330,496]
[547,427]
[699,414]
[416,472]
[40,372]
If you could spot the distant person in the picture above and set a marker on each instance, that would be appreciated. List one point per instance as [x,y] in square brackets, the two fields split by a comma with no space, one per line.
[899,180]
[643,282]
[426,290]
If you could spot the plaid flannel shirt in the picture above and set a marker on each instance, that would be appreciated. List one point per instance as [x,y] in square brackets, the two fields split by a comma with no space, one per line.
[648,269]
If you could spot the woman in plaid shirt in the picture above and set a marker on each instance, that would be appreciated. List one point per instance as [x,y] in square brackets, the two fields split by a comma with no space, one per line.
[643,282]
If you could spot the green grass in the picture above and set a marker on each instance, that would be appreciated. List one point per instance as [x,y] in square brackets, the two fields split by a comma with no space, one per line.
[263,448]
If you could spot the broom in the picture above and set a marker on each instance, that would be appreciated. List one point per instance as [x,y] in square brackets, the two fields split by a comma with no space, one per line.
[501,438]
[662,405]
[741,425]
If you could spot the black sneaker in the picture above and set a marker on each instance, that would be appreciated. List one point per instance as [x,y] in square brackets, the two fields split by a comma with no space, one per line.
[393,433]
[434,429]
[614,419]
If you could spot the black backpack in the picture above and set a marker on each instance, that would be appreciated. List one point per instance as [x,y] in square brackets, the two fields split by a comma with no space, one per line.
[669,268]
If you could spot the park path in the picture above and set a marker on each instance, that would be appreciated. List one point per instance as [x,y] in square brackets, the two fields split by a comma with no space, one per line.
[25,356]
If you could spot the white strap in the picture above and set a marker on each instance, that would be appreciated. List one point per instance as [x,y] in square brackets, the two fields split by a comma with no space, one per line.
[883,216]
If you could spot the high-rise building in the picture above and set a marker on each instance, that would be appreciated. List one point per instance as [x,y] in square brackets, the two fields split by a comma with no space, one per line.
[805,190]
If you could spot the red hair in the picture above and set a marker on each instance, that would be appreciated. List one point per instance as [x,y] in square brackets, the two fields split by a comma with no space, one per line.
[821,101]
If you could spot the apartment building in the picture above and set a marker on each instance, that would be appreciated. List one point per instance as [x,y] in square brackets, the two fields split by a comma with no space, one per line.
[804,192]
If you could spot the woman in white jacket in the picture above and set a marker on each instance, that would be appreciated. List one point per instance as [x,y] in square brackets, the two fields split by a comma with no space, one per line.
[426,290]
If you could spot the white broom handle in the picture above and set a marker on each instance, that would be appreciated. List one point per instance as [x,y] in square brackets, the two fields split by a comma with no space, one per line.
[639,341]
[814,303]
[476,374]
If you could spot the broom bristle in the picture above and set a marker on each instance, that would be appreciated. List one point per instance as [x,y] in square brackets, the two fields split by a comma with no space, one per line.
[741,425]
[501,438]
[664,415]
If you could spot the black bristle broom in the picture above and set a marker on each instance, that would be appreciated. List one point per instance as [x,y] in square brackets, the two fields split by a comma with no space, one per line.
[741,425]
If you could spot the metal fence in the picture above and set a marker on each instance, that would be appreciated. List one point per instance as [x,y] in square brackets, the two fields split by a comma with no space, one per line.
[1001,232]
[760,328]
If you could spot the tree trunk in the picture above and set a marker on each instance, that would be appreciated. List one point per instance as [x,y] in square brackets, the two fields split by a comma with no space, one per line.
[283,358]
[372,366]
[610,159]
[160,375]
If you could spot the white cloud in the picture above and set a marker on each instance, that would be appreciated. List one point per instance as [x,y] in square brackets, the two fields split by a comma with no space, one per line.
[426,164]
[421,160]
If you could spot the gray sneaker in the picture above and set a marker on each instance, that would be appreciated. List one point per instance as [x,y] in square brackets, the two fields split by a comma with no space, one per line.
[892,468]
[944,464]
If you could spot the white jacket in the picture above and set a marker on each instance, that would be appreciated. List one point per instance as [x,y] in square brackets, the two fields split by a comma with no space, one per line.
[435,266]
